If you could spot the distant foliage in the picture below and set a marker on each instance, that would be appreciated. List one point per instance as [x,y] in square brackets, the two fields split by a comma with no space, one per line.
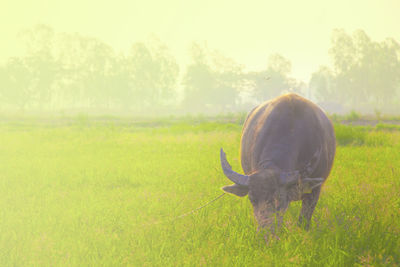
[353,116]
[274,80]
[67,71]
[350,135]
[64,71]
[365,73]
[365,135]
[387,127]
[212,81]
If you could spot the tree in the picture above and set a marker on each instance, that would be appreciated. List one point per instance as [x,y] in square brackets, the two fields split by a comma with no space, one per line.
[211,81]
[75,71]
[364,72]
[274,80]
[386,72]
[15,83]
[153,74]
[322,83]
[39,59]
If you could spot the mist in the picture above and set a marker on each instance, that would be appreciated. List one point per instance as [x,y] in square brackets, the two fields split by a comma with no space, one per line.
[62,71]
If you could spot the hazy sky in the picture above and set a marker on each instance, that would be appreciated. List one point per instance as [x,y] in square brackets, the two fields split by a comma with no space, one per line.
[248,31]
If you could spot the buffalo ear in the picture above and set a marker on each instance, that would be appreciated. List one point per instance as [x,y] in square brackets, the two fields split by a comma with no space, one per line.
[238,190]
[308,184]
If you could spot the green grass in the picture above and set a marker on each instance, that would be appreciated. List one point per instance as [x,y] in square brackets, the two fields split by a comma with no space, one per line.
[104,195]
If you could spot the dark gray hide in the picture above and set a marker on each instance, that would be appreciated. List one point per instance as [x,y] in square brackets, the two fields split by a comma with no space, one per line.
[287,151]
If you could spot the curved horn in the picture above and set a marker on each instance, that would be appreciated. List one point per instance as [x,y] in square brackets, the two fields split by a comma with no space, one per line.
[235,177]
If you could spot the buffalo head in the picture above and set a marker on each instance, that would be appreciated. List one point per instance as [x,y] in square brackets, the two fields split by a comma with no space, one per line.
[270,190]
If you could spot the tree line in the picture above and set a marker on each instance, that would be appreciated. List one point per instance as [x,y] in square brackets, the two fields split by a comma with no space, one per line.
[365,73]
[64,71]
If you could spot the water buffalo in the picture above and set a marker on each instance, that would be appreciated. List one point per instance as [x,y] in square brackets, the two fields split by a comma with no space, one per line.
[287,151]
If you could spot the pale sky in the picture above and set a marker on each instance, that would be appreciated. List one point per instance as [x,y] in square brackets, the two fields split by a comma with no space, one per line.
[247,31]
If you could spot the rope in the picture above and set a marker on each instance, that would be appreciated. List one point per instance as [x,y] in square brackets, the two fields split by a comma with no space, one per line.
[188,213]
[193,211]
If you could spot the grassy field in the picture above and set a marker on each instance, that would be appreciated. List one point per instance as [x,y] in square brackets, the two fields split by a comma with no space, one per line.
[105,194]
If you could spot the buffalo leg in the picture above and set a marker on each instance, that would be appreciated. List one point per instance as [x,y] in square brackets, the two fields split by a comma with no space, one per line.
[309,201]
